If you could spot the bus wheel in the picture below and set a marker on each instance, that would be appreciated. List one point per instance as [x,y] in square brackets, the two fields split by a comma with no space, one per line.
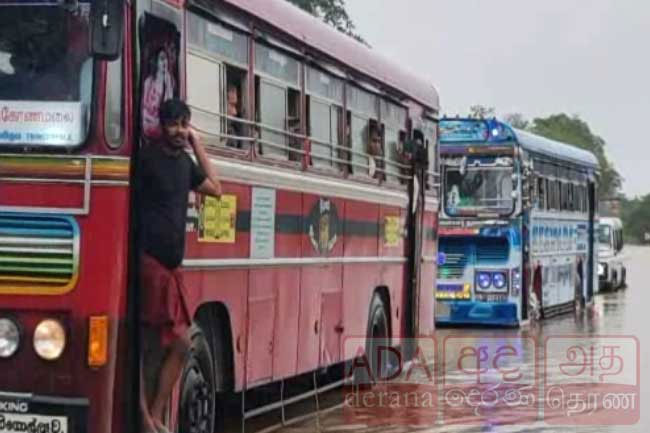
[623,278]
[197,399]
[378,335]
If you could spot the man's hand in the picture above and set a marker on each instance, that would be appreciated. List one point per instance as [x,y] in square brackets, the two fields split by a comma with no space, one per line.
[209,187]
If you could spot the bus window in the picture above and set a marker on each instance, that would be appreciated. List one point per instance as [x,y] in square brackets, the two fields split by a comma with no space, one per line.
[278,103]
[204,96]
[217,81]
[272,106]
[393,117]
[320,132]
[325,99]
[294,124]
[364,107]
[359,136]
[114,119]
[542,195]
[236,129]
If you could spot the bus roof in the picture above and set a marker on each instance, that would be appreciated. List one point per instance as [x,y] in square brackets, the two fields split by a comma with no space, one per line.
[456,133]
[330,42]
[555,149]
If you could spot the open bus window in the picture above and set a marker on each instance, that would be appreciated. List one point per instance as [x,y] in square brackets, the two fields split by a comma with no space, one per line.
[294,124]
[376,151]
[46,73]
[541,193]
[235,128]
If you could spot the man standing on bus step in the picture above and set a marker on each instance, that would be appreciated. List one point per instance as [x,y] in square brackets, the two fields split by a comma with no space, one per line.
[166,176]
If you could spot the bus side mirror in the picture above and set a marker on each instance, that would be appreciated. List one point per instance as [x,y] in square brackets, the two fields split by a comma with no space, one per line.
[107,22]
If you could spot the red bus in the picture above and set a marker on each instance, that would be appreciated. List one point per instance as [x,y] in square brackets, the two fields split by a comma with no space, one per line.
[326,229]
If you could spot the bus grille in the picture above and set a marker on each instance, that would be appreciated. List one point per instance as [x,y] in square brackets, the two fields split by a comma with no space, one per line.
[457,254]
[492,250]
[38,254]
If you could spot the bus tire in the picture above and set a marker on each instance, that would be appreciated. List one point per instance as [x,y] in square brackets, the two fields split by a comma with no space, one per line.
[623,278]
[378,335]
[196,412]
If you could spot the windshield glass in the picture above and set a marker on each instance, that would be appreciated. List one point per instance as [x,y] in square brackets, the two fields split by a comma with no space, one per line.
[45,74]
[478,190]
[604,234]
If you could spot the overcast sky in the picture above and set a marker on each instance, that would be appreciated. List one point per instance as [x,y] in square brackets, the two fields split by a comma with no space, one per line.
[536,57]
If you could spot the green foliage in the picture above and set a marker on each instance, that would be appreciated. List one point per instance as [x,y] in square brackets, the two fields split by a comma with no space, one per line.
[481,111]
[635,214]
[517,120]
[573,130]
[333,13]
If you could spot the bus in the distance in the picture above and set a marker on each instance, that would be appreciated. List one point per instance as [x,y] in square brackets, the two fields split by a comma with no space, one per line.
[326,227]
[517,225]
[612,270]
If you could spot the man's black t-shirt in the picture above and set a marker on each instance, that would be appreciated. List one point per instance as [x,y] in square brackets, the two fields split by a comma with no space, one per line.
[165,181]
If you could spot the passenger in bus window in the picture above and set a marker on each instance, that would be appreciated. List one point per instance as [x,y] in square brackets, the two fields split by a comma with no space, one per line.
[233,110]
[165,177]
[376,152]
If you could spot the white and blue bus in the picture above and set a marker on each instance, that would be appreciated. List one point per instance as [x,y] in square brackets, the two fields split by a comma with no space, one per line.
[517,225]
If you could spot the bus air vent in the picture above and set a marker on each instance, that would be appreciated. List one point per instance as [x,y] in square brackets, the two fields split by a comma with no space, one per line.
[39,254]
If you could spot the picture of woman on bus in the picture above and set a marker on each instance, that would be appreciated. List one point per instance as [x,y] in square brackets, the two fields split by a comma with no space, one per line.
[158,87]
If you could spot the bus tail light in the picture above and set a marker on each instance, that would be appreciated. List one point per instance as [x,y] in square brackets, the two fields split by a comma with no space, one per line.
[516,282]
[97,341]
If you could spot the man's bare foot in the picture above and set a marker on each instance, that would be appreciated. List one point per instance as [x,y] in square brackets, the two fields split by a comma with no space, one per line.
[160,427]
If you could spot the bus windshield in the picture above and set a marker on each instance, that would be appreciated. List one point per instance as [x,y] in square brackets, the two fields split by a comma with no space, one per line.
[604,234]
[478,190]
[45,74]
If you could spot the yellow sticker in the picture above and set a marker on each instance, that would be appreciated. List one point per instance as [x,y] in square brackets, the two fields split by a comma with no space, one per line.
[218,218]
[392,231]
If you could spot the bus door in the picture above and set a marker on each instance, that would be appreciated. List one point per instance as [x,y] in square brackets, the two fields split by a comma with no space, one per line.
[415,222]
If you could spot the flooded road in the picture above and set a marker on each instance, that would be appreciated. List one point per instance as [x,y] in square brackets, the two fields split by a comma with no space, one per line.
[611,325]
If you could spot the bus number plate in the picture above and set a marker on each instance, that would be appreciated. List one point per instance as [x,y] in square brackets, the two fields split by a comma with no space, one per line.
[491,297]
[20,423]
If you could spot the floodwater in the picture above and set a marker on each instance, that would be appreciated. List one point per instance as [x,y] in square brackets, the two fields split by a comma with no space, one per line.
[610,329]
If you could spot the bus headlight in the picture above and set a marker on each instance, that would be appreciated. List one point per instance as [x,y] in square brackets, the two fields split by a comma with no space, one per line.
[484,280]
[9,338]
[499,280]
[49,339]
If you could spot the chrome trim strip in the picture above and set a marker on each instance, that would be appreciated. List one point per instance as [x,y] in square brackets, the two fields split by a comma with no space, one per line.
[305,182]
[64,181]
[34,241]
[197,264]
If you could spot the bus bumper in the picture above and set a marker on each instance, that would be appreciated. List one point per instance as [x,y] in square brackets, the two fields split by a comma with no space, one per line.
[29,412]
[476,313]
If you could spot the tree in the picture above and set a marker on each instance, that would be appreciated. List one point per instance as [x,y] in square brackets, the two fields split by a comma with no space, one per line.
[635,214]
[573,130]
[481,111]
[517,120]
[333,13]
